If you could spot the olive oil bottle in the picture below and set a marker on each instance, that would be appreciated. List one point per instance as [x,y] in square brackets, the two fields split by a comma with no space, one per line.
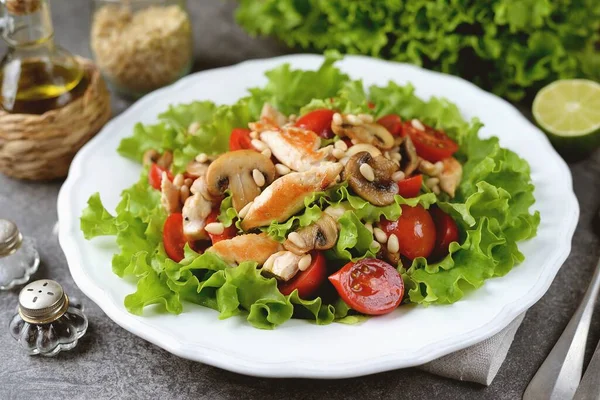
[36,75]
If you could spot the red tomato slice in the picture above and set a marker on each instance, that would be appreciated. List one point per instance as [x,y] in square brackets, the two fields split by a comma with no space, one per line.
[410,187]
[240,139]
[173,238]
[155,176]
[318,121]
[370,286]
[308,281]
[371,105]
[446,232]
[415,231]
[391,122]
[431,144]
[228,233]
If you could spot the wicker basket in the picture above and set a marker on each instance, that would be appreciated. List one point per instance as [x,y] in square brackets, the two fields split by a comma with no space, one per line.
[40,147]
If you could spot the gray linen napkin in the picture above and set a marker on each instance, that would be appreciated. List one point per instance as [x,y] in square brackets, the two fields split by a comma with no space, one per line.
[479,363]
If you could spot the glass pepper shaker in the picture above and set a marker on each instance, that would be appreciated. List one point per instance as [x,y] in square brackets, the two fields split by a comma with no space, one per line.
[18,257]
[47,322]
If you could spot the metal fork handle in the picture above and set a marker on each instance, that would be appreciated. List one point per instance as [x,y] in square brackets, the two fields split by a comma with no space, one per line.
[559,375]
[589,388]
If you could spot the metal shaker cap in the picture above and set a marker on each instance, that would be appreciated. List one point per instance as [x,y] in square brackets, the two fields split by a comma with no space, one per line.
[42,302]
[10,237]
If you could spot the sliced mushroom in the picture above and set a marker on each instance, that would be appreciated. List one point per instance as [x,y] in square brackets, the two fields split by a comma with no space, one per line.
[410,159]
[150,156]
[368,133]
[169,196]
[233,170]
[282,265]
[320,235]
[450,176]
[165,160]
[196,169]
[381,189]
[357,148]
[195,211]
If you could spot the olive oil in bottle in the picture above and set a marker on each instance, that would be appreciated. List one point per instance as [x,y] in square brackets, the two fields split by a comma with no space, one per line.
[36,75]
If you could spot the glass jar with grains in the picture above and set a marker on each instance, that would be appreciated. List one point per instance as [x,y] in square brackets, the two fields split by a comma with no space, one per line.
[141,45]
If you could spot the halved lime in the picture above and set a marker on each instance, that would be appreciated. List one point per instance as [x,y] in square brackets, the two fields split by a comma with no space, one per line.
[569,112]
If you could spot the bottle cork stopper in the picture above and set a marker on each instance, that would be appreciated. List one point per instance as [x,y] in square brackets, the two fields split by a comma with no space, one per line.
[22,7]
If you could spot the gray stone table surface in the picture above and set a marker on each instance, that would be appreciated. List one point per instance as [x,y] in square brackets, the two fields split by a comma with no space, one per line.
[111,363]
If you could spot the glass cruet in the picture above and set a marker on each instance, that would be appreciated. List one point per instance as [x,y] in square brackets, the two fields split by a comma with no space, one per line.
[36,75]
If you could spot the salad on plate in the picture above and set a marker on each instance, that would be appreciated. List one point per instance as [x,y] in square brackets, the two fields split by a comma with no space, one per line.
[315,198]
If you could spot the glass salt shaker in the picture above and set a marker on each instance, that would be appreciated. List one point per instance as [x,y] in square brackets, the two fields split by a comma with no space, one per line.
[47,322]
[18,257]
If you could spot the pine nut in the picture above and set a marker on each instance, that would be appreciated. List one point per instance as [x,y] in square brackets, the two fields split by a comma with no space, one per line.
[296,239]
[344,161]
[387,155]
[292,117]
[398,176]
[304,262]
[417,124]
[366,118]
[244,211]
[436,190]
[258,145]
[184,193]
[193,128]
[340,144]
[353,120]
[178,180]
[439,167]
[392,244]
[427,167]
[202,158]
[337,119]
[216,228]
[380,235]
[354,141]
[282,169]
[258,177]
[253,135]
[369,226]
[396,156]
[188,182]
[376,245]
[267,153]
[367,172]
[432,182]
[339,154]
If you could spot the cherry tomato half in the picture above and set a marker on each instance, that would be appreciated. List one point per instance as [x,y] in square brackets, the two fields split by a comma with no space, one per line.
[228,233]
[155,176]
[415,231]
[431,144]
[410,187]
[318,121]
[391,122]
[240,139]
[446,232]
[174,239]
[369,286]
[308,281]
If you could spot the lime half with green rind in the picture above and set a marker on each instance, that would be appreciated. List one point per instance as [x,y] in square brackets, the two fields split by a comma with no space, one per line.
[569,112]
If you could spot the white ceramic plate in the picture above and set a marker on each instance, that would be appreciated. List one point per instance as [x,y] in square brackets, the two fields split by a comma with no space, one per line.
[408,337]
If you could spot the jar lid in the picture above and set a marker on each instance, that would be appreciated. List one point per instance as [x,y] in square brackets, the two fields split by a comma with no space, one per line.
[42,302]
[10,237]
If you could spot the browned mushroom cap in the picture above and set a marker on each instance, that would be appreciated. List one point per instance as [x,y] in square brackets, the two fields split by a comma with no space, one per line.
[410,160]
[368,133]
[234,170]
[320,235]
[381,189]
